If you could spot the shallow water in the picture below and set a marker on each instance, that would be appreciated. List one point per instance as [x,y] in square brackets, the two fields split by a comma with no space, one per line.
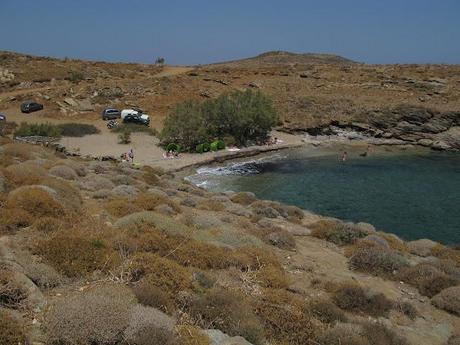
[414,195]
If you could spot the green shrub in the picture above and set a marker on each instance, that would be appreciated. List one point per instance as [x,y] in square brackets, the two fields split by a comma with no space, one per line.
[245,116]
[173,147]
[217,145]
[77,129]
[124,136]
[38,129]
[75,76]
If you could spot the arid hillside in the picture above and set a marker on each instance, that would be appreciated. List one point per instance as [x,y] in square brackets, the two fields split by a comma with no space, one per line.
[309,90]
[113,254]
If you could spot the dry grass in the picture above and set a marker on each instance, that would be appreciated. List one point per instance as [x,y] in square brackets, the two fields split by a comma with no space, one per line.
[211,205]
[48,224]
[153,296]
[19,152]
[228,311]
[68,195]
[121,207]
[191,335]
[449,300]
[63,171]
[23,174]
[11,331]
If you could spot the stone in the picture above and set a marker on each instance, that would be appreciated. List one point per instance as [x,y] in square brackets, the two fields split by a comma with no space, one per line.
[440,145]
[70,101]
[85,105]
[425,142]
[421,247]
[217,337]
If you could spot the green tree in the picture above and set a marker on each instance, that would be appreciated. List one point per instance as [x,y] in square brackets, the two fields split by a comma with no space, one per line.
[160,61]
[242,116]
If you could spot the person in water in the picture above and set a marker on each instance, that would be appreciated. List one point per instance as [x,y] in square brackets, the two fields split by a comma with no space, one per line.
[344,156]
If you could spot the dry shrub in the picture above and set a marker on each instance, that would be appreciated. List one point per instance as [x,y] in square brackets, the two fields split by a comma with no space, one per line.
[75,252]
[36,201]
[48,224]
[285,317]
[244,198]
[161,272]
[44,276]
[121,207]
[22,174]
[394,242]
[337,232]
[12,219]
[191,335]
[427,278]
[377,261]
[449,300]
[98,315]
[228,311]
[150,175]
[273,276]
[149,326]
[12,295]
[454,340]
[67,195]
[153,296]
[11,331]
[294,213]
[407,309]
[379,334]
[327,312]
[354,298]
[64,172]
[343,334]
[281,239]
[21,152]
[148,202]
[211,205]
[446,253]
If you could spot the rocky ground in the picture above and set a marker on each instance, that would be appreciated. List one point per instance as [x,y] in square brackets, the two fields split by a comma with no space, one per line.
[312,92]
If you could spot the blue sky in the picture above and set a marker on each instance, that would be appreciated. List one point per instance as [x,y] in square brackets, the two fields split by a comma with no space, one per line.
[203,31]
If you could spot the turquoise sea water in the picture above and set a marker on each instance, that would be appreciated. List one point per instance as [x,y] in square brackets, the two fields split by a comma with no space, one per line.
[414,195]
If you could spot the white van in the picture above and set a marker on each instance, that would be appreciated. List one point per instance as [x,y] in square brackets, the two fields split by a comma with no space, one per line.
[134,116]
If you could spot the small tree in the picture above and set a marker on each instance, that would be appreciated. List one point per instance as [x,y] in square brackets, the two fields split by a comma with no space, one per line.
[124,137]
[160,61]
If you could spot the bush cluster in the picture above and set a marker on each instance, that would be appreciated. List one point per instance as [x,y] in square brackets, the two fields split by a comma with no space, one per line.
[337,232]
[354,298]
[39,129]
[377,261]
[77,129]
[243,116]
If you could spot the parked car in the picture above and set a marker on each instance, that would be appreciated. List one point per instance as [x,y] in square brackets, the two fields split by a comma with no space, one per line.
[30,106]
[125,112]
[141,119]
[110,114]
[2,117]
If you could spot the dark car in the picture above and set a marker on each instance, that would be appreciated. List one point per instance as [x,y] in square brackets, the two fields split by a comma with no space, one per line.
[140,119]
[2,117]
[29,106]
[110,114]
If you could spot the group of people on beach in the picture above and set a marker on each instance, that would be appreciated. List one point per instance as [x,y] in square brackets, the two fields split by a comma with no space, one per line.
[171,154]
[364,154]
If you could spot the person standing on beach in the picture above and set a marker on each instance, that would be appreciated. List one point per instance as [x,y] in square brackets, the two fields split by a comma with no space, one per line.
[344,156]
[131,155]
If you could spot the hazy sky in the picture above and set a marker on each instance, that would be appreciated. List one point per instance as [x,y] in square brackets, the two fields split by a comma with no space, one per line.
[203,31]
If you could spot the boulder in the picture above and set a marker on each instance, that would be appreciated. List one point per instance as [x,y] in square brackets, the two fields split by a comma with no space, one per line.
[70,101]
[440,145]
[425,142]
[85,105]
[421,247]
